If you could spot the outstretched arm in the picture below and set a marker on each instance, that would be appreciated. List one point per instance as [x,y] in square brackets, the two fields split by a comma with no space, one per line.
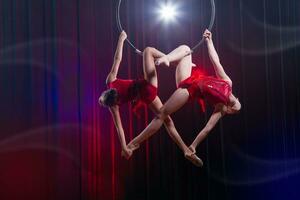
[213,120]
[213,55]
[117,58]
[118,124]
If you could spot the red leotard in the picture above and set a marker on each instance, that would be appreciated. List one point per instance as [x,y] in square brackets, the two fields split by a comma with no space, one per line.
[201,87]
[135,91]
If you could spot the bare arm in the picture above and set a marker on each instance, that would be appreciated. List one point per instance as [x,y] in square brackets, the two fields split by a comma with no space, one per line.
[213,55]
[117,58]
[213,120]
[118,124]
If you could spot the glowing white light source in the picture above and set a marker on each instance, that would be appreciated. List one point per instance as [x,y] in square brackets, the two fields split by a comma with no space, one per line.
[168,12]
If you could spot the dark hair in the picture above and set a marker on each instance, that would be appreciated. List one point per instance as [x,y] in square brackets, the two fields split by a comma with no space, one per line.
[108,98]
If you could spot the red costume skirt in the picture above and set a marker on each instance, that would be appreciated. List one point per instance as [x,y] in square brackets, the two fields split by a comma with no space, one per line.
[201,87]
[146,91]
[137,92]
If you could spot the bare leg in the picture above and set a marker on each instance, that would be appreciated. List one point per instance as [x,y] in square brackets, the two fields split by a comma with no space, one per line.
[174,56]
[176,101]
[169,125]
[151,76]
[179,99]
[155,106]
[184,69]
[184,58]
[149,67]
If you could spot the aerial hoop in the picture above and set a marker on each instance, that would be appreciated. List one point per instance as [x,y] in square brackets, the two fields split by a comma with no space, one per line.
[211,23]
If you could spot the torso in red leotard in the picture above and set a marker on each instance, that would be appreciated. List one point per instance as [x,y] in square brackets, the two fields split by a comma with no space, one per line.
[212,89]
[135,91]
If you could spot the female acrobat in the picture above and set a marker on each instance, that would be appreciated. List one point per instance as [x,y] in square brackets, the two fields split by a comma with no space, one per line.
[194,85]
[121,91]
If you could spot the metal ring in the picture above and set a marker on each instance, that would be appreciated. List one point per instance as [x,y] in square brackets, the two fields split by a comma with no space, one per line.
[211,23]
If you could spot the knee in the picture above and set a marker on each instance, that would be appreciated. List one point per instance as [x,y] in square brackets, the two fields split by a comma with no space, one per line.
[162,115]
[185,48]
[148,50]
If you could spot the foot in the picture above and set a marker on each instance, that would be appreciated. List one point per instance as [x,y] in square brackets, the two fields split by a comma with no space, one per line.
[194,159]
[163,60]
[126,153]
[131,148]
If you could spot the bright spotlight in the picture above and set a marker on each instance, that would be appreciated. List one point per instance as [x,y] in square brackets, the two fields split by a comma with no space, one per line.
[168,12]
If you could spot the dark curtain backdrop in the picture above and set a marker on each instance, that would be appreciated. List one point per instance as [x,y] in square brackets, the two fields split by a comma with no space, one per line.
[56,142]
